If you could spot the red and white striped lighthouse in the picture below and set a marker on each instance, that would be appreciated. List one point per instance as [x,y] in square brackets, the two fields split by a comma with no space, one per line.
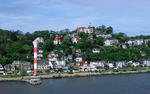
[35,57]
[35,44]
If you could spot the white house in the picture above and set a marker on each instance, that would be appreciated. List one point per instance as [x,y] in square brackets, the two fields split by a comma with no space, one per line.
[40,54]
[95,50]
[40,51]
[135,42]
[78,50]
[139,42]
[110,65]
[86,30]
[136,64]
[78,59]
[94,65]
[111,42]
[1,69]
[60,64]
[146,62]
[52,57]
[76,39]
[43,66]
[84,66]
[54,62]
[106,36]
[21,65]
[57,40]
[119,64]
[146,40]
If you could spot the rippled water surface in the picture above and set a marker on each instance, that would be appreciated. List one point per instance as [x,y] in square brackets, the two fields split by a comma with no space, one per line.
[108,84]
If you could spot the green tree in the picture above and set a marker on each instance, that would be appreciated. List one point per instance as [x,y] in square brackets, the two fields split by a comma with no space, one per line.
[109,30]
[148,43]
[23,73]
[67,40]
[99,41]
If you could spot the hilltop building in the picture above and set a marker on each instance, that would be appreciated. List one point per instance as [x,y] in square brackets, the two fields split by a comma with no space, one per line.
[88,30]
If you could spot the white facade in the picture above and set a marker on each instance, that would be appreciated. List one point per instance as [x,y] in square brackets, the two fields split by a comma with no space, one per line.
[119,64]
[75,39]
[104,36]
[111,42]
[146,62]
[136,64]
[135,42]
[56,41]
[146,40]
[96,64]
[95,50]
[78,59]
[85,30]
[43,66]
[61,63]
[110,65]
[1,69]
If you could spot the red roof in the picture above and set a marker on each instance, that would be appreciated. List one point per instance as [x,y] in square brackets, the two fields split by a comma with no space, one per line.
[50,57]
[77,37]
[76,67]
[83,62]
[58,38]
[81,28]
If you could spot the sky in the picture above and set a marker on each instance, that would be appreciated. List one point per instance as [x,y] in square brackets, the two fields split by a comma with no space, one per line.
[128,16]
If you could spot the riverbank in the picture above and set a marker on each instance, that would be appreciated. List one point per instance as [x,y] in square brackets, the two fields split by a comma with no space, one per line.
[82,74]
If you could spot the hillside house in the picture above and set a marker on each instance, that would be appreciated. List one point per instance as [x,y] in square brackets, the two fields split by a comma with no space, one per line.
[105,36]
[52,58]
[95,66]
[60,64]
[136,64]
[57,40]
[119,64]
[146,40]
[84,66]
[95,50]
[78,59]
[88,30]
[146,63]
[110,65]
[111,42]
[1,70]
[21,65]
[40,54]
[43,65]
[76,39]
[8,67]
[135,42]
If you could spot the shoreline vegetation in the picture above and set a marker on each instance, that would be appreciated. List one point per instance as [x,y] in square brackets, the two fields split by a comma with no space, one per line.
[81,74]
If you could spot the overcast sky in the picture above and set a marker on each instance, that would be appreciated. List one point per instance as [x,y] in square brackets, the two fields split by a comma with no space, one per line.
[128,16]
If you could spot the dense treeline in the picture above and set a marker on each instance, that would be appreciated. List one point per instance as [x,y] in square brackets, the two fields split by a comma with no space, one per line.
[15,45]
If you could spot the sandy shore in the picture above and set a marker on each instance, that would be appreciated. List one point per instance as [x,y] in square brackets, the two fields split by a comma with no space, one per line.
[71,75]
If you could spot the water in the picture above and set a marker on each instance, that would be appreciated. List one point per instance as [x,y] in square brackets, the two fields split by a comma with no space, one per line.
[108,84]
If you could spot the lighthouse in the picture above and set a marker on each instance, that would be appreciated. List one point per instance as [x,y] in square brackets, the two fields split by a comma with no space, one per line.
[35,57]
[35,80]
[35,44]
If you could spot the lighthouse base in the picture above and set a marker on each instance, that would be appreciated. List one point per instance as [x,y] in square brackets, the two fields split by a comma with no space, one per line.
[35,80]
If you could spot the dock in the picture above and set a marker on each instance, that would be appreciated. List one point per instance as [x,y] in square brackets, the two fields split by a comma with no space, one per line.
[35,80]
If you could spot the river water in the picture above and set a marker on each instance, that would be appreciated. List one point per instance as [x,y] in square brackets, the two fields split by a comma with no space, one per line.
[106,84]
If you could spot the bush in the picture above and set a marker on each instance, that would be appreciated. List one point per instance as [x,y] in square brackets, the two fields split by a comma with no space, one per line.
[23,73]
[115,70]
[134,69]
[124,70]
